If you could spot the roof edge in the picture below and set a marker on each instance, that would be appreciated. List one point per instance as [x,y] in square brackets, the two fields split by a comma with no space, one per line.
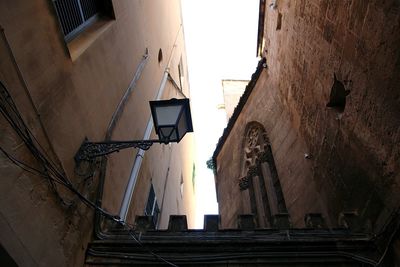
[260,32]
[238,109]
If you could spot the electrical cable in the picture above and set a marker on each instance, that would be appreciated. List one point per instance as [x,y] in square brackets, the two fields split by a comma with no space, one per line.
[132,234]
[176,86]
[13,117]
[34,171]
[22,165]
[392,235]
[54,175]
[50,170]
[89,203]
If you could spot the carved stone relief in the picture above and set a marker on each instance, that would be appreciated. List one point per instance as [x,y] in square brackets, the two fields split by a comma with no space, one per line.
[260,181]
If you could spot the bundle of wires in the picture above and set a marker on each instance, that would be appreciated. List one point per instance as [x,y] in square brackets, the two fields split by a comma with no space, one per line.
[50,171]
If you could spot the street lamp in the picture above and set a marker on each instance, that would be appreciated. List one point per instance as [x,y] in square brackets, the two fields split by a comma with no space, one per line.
[172,120]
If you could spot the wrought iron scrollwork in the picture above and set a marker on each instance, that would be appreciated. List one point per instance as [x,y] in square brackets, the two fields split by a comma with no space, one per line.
[91,150]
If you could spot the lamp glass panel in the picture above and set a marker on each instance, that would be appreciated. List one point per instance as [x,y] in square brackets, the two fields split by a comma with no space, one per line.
[182,125]
[167,133]
[167,115]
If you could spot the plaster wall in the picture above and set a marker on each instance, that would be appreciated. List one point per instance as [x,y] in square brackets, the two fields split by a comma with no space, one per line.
[75,97]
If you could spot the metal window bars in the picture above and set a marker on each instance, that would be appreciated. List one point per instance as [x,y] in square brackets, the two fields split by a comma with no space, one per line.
[75,15]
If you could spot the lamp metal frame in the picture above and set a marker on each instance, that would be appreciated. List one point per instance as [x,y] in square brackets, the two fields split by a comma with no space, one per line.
[90,150]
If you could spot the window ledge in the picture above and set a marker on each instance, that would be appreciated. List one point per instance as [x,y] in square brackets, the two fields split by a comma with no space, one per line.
[85,39]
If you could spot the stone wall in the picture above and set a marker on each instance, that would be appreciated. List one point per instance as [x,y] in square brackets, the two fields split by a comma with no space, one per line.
[328,160]
[243,246]
[355,156]
[293,169]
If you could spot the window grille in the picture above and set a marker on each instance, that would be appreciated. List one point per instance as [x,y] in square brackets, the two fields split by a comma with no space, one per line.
[75,15]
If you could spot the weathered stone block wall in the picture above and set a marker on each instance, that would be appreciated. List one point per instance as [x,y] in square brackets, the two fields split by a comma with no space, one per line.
[356,153]
[243,246]
[353,156]
[265,106]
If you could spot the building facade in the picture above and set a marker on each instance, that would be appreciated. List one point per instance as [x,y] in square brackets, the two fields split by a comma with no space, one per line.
[76,69]
[316,133]
[306,170]
[232,91]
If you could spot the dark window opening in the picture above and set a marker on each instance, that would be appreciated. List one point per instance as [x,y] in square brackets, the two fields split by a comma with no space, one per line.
[194,178]
[6,259]
[76,15]
[160,55]
[337,98]
[152,208]
[279,22]
[182,187]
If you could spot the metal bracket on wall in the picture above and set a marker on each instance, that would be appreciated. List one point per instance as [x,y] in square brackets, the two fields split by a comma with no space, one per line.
[90,150]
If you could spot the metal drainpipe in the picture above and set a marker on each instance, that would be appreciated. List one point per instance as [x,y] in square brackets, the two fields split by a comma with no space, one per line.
[123,212]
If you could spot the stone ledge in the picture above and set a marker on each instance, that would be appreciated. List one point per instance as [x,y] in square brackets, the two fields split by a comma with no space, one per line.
[84,40]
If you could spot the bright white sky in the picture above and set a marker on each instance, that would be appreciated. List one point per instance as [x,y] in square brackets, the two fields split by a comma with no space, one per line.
[221,41]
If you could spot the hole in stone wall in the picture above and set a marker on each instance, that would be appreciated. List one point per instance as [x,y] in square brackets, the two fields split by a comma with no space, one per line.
[279,22]
[337,98]
[160,55]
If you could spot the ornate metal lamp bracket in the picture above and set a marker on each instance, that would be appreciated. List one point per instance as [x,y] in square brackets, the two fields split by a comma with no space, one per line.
[90,150]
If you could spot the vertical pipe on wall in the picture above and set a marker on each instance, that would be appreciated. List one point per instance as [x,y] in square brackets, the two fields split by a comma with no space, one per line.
[139,156]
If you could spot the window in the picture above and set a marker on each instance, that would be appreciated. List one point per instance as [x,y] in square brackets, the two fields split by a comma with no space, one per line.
[182,186]
[76,15]
[152,206]
[194,178]
[279,22]
[160,56]
[181,71]
[260,185]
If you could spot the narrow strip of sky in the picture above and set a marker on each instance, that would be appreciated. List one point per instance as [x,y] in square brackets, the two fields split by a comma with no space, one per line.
[221,38]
